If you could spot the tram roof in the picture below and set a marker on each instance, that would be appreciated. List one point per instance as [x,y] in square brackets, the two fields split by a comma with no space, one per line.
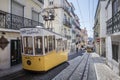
[39,31]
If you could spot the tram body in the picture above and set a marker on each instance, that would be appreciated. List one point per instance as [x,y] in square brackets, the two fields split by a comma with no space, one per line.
[42,49]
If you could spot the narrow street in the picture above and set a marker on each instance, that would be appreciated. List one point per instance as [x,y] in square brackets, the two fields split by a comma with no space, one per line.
[59,39]
[81,66]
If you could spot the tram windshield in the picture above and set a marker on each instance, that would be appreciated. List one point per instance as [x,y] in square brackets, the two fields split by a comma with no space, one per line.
[28,45]
[38,45]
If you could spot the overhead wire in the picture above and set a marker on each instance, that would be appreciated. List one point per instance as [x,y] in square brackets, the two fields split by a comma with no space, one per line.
[80,13]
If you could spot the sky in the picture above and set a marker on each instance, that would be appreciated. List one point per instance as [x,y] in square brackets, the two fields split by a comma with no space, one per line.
[85,9]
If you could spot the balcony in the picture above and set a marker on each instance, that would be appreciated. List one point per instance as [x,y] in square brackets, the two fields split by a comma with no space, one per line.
[11,21]
[67,23]
[41,1]
[67,10]
[113,24]
[73,40]
[68,36]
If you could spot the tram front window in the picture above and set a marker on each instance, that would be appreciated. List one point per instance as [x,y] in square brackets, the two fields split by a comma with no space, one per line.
[46,44]
[50,43]
[38,45]
[28,45]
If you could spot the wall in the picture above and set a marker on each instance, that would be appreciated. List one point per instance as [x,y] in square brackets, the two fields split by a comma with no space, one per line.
[5,54]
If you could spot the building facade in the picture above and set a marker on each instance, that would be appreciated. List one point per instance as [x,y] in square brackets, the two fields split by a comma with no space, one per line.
[64,19]
[113,34]
[100,28]
[83,38]
[107,29]
[16,14]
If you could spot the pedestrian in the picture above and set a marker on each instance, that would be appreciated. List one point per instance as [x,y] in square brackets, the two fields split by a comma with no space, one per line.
[77,47]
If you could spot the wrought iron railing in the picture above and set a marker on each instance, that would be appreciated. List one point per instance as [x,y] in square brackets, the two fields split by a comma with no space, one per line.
[11,21]
[68,36]
[113,24]
[67,23]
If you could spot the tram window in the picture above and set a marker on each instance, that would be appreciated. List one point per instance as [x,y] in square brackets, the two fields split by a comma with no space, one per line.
[28,45]
[53,42]
[38,45]
[63,46]
[58,45]
[65,42]
[21,44]
[46,44]
[50,43]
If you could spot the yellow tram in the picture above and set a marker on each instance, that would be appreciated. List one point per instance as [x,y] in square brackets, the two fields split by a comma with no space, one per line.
[42,49]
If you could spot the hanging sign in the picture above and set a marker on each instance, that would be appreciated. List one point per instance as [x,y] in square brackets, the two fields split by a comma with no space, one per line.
[3,42]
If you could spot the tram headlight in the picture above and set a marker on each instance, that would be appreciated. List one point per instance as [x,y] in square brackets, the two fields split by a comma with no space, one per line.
[28,62]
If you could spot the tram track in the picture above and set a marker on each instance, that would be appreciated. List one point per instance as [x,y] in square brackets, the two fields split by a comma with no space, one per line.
[78,69]
[80,72]
[74,69]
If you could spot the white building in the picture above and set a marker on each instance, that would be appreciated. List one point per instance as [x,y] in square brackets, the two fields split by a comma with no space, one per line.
[107,30]
[100,28]
[64,18]
[113,34]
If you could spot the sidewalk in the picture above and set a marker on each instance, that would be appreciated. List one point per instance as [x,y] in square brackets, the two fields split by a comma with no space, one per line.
[103,72]
[10,70]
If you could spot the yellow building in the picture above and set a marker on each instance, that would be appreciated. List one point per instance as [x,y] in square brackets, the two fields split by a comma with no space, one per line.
[16,14]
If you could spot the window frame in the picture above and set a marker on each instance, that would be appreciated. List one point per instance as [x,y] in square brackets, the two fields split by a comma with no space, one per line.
[36,45]
[26,48]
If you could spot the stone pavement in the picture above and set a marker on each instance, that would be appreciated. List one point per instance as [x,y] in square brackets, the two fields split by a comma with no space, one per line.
[103,72]
[11,70]
[69,73]
[97,70]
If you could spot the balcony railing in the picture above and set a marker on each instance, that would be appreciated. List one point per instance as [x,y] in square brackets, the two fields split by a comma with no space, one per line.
[67,23]
[42,1]
[11,21]
[113,24]
[73,40]
[68,36]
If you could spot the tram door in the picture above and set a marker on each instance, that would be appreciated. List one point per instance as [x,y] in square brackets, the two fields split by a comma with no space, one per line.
[15,52]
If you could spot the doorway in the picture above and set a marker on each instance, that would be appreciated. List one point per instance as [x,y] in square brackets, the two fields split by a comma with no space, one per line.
[15,52]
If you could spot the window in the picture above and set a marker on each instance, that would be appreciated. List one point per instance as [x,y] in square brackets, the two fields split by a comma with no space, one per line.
[65,42]
[50,2]
[115,49]
[46,44]
[53,42]
[38,45]
[69,32]
[41,1]
[35,15]
[2,20]
[17,8]
[28,45]
[65,32]
[114,7]
[58,45]
[50,43]
[65,17]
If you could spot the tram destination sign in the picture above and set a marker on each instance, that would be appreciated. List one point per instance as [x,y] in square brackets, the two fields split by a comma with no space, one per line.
[29,31]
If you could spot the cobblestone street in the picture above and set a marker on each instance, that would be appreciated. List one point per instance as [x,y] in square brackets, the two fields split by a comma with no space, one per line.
[88,66]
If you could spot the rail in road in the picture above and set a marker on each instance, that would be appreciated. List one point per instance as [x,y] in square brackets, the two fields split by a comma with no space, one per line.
[78,70]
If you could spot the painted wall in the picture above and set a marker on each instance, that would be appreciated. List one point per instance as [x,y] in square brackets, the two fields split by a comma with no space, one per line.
[103,19]
[5,54]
